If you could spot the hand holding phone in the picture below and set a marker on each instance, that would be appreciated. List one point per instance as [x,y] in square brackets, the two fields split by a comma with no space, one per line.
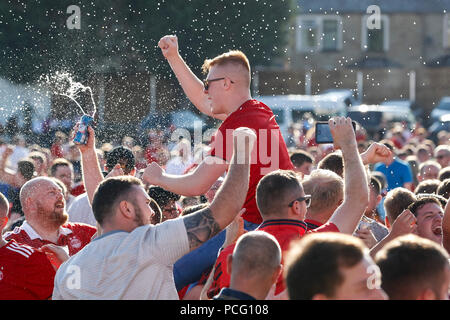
[323,132]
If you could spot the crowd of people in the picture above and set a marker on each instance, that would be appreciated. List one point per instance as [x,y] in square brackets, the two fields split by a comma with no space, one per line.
[258,216]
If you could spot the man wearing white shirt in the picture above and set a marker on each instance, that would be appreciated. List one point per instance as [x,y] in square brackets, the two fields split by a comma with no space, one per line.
[133,259]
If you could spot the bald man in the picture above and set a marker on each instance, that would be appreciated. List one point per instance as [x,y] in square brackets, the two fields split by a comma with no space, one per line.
[254,267]
[225,95]
[45,222]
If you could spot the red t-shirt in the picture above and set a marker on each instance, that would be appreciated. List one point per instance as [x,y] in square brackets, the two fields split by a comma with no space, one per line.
[313,224]
[73,235]
[25,273]
[269,153]
[78,189]
[284,230]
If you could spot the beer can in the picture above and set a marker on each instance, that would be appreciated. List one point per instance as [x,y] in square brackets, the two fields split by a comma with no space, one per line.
[81,135]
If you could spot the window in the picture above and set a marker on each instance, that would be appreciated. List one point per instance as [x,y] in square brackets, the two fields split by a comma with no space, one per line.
[330,34]
[319,33]
[375,40]
[446,30]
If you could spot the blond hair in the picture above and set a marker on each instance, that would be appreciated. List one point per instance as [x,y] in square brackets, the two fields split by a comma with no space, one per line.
[326,189]
[231,57]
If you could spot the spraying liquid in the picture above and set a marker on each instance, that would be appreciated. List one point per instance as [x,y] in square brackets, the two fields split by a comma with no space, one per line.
[61,83]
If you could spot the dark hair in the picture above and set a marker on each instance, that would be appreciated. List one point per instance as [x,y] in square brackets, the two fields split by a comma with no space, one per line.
[439,198]
[313,263]
[333,162]
[162,196]
[109,192]
[444,174]
[427,186]
[275,190]
[375,184]
[380,177]
[418,204]
[59,162]
[396,201]
[194,208]
[26,168]
[409,265]
[300,156]
[121,155]
[388,144]
[444,189]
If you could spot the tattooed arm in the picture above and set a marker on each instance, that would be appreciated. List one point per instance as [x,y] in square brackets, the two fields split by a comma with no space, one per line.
[206,223]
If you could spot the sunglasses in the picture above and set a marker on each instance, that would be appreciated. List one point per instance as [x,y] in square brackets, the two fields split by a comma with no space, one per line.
[208,81]
[306,198]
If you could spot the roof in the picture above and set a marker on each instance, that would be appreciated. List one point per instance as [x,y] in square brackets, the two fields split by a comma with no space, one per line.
[386,6]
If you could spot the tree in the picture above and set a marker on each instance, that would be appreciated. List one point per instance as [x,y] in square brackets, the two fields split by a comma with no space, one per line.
[122,35]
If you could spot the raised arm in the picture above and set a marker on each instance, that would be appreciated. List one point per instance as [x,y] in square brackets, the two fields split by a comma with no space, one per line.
[192,86]
[194,183]
[206,223]
[92,174]
[356,191]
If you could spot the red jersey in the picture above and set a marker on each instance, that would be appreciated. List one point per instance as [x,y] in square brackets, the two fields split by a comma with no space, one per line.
[313,224]
[78,189]
[269,154]
[284,230]
[25,273]
[73,235]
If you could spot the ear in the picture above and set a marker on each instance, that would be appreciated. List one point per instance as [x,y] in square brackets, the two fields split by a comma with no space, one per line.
[126,209]
[229,262]
[3,222]
[277,273]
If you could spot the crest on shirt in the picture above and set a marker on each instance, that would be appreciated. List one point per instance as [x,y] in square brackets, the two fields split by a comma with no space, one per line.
[75,243]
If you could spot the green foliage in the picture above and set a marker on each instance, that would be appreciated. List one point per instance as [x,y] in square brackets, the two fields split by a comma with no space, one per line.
[122,35]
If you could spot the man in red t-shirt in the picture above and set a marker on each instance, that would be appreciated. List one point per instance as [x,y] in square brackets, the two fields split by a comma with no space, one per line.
[46,219]
[283,204]
[224,95]
[25,273]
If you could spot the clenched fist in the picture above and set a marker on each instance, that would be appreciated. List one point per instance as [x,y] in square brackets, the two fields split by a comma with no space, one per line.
[152,174]
[169,46]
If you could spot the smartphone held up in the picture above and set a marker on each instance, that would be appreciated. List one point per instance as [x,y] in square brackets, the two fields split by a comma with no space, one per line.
[323,132]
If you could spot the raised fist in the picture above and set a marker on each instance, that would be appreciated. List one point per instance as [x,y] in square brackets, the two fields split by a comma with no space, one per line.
[169,46]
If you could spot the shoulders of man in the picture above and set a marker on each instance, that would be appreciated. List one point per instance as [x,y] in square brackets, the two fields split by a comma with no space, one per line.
[327,227]
[32,271]
[253,114]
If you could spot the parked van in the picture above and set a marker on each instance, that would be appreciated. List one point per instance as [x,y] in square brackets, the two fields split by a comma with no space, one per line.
[442,109]
[372,117]
[290,109]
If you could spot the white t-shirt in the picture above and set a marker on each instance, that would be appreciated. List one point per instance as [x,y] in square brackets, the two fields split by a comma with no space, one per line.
[129,266]
[81,211]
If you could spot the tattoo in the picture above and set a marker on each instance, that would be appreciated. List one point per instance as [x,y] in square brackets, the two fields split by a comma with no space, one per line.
[200,226]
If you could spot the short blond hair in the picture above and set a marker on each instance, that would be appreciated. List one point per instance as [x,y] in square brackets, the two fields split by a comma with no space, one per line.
[236,57]
[326,189]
